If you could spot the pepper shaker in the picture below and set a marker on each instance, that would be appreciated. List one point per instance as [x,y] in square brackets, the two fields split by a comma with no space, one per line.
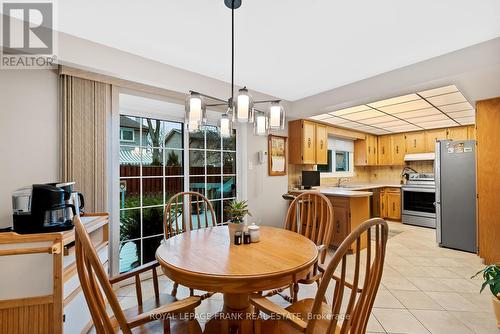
[237,238]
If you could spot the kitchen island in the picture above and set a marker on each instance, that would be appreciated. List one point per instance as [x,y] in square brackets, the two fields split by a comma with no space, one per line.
[350,209]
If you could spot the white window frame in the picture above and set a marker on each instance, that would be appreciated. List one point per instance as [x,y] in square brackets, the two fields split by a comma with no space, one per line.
[127,140]
[349,173]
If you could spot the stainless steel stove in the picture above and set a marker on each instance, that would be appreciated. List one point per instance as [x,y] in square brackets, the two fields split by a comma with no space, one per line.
[418,198]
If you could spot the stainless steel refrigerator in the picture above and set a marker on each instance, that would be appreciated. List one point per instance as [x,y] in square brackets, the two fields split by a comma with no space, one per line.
[455,174]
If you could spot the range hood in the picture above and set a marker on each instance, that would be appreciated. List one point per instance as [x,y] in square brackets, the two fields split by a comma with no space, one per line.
[420,156]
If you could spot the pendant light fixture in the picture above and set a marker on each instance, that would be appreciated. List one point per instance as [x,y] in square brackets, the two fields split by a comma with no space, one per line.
[242,108]
[195,112]
[225,125]
[261,124]
[276,116]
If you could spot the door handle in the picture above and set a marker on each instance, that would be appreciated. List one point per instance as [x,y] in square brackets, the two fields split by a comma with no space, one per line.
[414,143]
[397,149]
[393,206]
[308,142]
[321,144]
[338,227]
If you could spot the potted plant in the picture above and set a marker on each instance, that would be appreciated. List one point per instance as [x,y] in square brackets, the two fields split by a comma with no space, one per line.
[236,212]
[491,275]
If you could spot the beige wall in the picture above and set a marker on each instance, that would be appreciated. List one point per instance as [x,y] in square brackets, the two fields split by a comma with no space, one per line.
[29,132]
[369,174]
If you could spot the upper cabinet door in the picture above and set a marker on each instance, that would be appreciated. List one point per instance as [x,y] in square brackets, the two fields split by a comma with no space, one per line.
[308,143]
[431,136]
[372,149]
[458,133]
[415,142]
[384,150]
[398,149]
[471,132]
[321,144]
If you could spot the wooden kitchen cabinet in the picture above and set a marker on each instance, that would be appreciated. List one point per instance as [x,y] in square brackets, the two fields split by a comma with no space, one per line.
[390,203]
[471,132]
[415,142]
[321,144]
[307,142]
[457,133]
[391,150]
[365,151]
[348,213]
[383,204]
[385,150]
[398,149]
[394,206]
[431,136]
[340,220]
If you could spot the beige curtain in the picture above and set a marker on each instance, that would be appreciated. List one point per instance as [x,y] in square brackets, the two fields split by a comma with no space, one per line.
[86,107]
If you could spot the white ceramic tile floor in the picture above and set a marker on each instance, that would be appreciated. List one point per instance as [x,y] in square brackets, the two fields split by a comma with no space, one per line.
[424,289]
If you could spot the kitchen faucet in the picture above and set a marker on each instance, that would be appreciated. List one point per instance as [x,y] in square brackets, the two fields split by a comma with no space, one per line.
[341,180]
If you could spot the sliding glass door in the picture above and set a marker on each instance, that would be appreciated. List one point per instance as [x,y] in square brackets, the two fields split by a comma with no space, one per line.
[154,165]
[151,171]
[212,167]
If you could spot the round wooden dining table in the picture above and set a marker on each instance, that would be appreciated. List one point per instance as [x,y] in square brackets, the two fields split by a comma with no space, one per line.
[205,259]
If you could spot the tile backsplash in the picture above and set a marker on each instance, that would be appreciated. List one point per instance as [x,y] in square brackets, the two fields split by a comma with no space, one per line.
[369,174]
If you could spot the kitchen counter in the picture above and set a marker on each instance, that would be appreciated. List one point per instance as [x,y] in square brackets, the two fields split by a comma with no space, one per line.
[351,189]
[337,191]
[366,186]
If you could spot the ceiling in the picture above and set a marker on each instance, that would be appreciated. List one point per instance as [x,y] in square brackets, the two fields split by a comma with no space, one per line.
[290,49]
[435,108]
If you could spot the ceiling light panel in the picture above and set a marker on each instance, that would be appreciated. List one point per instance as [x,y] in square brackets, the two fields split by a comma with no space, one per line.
[439,91]
[406,106]
[402,128]
[391,124]
[351,125]
[334,120]
[466,120]
[320,117]
[394,100]
[465,113]
[359,116]
[437,117]
[437,124]
[379,120]
[456,107]
[445,99]
[349,110]
[419,113]
[380,132]
[366,128]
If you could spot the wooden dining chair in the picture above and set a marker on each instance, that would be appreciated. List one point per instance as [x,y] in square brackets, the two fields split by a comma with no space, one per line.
[352,302]
[162,313]
[311,215]
[185,211]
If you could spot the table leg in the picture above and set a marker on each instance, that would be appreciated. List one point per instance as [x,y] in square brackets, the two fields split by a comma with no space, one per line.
[236,313]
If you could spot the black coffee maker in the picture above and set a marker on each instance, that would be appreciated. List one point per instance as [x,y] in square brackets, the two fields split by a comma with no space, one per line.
[41,208]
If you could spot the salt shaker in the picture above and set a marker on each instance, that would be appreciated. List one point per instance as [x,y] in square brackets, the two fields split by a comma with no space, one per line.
[246,238]
[254,231]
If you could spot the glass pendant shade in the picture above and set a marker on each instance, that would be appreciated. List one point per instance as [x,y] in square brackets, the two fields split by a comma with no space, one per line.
[195,112]
[260,125]
[225,126]
[276,116]
[244,107]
